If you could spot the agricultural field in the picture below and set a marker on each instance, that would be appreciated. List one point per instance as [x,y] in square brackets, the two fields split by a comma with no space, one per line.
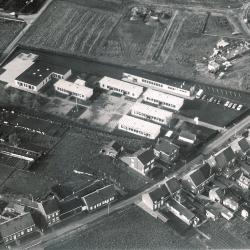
[72,28]
[8,31]
[131,228]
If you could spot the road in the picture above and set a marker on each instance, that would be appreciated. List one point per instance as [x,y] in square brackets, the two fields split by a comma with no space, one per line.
[29,19]
[82,223]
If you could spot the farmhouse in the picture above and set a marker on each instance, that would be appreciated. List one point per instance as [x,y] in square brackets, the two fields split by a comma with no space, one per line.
[162,99]
[196,180]
[156,198]
[139,127]
[142,161]
[151,113]
[180,89]
[225,158]
[166,151]
[75,89]
[39,74]
[186,136]
[120,87]
[182,212]
[100,198]
[17,228]
[50,211]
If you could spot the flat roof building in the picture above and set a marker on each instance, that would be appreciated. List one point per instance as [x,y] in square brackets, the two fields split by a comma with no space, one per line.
[120,87]
[151,113]
[39,74]
[75,89]
[159,83]
[163,99]
[139,127]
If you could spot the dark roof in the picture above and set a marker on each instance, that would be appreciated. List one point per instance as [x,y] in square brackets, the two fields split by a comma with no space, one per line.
[246,168]
[224,157]
[100,195]
[159,193]
[116,146]
[38,72]
[201,174]
[89,189]
[173,185]
[62,191]
[188,135]
[206,170]
[166,146]
[244,145]
[69,205]
[17,224]
[146,156]
[50,206]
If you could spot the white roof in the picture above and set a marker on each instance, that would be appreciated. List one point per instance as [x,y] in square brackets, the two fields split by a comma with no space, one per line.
[17,66]
[73,87]
[169,133]
[147,109]
[163,97]
[80,82]
[121,84]
[139,124]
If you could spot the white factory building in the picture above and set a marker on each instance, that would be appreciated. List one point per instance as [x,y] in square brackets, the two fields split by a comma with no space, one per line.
[151,113]
[139,127]
[76,89]
[120,87]
[163,99]
[179,89]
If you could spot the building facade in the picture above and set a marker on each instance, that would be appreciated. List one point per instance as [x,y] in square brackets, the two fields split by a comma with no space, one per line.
[121,87]
[180,89]
[163,99]
[151,113]
[139,127]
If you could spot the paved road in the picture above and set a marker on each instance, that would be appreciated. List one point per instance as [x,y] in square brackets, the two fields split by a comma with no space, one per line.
[81,224]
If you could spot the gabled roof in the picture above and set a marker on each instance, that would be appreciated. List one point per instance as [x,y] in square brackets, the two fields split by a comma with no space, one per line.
[244,145]
[69,205]
[100,195]
[145,156]
[166,146]
[206,170]
[224,157]
[61,191]
[17,224]
[50,206]
[89,189]
[173,185]
[159,193]
[116,146]
[188,135]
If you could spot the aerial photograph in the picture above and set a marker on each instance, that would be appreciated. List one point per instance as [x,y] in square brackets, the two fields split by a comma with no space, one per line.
[124,124]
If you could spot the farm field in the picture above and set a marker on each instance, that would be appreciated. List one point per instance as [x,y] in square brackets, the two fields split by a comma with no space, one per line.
[73,28]
[8,31]
[130,228]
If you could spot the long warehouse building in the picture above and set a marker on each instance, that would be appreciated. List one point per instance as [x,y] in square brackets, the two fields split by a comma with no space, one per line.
[151,113]
[181,89]
[163,99]
[121,87]
[139,127]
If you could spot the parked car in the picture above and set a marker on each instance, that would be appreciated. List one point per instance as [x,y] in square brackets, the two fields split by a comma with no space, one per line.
[219,101]
[240,107]
[215,100]
[211,99]
[234,106]
[203,97]
[226,104]
[230,105]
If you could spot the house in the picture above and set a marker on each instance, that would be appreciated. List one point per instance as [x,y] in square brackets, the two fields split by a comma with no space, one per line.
[213,66]
[173,186]
[212,211]
[71,207]
[17,228]
[231,203]
[39,74]
[163,99]
[178,88]
[182,212]
[50,211]
[166,151]
[245,168]
[241,146]
[186,136]
[225,158]
[243,181]
[151,113]
[112,149]
[76,89]
[120,87]
[100,198]
[217,194]
[141,161]
[90,188]
[61,192]
[139,127]
[197,179]
[156,198]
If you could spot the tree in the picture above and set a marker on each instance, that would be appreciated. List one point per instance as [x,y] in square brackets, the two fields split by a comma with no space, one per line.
[14,140]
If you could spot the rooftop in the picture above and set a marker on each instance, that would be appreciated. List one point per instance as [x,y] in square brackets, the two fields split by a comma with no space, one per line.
[159,193]
[50,206]
[244,145]
[35,74]
[145,155]
[188,135]
[166,146]
[224,156]
[173,185]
